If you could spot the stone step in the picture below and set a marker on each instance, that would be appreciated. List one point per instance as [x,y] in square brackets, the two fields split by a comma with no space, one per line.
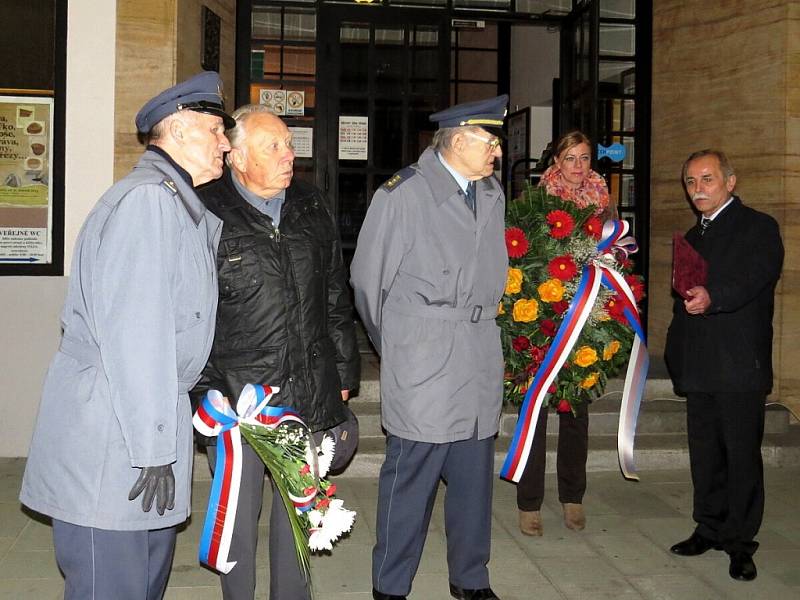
[655,389]
[655,417]
[653,451]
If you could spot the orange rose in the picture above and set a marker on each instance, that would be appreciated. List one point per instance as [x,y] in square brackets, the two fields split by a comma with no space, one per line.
[513,281]
[590,381]
[585,356]
[525,311]
[551,290]
[610,350]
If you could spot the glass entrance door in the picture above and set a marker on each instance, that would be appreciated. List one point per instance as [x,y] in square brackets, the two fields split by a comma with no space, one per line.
[384,72]
[579,69]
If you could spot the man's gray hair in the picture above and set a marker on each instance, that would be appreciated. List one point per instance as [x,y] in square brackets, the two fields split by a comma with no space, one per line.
[237,135]
[724,164]
[160,129]
[443,138]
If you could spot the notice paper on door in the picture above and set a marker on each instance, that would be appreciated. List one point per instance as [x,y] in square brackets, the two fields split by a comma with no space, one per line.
[353,138]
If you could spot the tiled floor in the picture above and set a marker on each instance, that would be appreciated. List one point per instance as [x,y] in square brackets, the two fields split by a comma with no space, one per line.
[622,554]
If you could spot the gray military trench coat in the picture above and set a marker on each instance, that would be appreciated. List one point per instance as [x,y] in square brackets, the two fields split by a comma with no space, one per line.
[428,278]
[138,323]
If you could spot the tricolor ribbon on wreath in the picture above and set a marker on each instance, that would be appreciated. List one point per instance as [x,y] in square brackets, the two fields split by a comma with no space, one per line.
[613,243]
[216,418]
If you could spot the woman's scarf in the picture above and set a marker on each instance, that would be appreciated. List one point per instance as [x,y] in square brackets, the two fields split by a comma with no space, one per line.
[591,192]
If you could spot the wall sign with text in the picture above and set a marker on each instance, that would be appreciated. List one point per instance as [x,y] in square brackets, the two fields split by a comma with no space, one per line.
[26,195]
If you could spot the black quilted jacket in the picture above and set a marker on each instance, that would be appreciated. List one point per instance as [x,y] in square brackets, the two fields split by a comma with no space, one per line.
[285,317]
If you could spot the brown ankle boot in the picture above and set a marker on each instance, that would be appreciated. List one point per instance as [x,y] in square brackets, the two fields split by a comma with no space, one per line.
[530,522]
[574,517]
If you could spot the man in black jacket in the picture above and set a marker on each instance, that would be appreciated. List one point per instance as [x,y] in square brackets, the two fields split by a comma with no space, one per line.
[719,353]
[284,319]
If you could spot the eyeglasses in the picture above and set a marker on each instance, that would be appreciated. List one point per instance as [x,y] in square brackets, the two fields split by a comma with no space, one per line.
[492,142]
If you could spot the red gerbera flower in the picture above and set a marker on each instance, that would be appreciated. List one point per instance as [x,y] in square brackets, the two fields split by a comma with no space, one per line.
[562,267]
[636,285]
[548,327]
[615,308]
[520,343]
[563,406]
[561,223]
[560,307]
[593,227]
[516,242]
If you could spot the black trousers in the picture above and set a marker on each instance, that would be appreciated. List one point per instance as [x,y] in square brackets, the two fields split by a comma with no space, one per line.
[573,449]
[725,432]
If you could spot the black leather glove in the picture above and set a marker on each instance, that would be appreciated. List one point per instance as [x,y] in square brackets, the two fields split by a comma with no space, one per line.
[158,483]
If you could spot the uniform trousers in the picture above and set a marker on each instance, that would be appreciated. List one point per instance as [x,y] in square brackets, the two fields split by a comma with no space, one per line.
[407,487]
[286,581]
[99,564]
[725,432]
[573,450]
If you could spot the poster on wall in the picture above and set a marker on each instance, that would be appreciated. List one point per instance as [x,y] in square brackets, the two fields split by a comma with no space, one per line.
[353,138]
[275,100]
[303,141]
[26,196]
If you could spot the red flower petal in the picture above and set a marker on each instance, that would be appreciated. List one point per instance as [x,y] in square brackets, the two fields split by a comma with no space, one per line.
[548,327]
[516,242]
[562,267]
[593,227]
[520,343]
[563,406]
[560,307]
[561,223]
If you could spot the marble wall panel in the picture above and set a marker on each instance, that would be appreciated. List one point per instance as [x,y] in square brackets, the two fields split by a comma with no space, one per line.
[789,387]
[725,75]
[146,60]
[158,44]
[189,41]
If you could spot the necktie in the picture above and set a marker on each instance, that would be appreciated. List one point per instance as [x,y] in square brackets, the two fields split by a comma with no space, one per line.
[705,223]
[470,198]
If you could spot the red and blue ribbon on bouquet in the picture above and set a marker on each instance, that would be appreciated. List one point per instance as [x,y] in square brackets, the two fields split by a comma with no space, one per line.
[613,243]
[216,418]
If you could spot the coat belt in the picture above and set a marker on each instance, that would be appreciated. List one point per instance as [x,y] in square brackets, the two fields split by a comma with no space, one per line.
[472,314]
[89,354]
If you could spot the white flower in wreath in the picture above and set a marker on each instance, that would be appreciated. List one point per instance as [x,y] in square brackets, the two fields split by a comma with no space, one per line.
[325,452]
[329,525]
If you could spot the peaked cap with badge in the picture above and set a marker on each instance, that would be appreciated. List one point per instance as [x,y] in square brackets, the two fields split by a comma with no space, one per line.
[488,113]
[201,93]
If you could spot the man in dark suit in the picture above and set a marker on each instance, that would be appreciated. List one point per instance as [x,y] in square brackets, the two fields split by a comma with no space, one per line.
[719,354]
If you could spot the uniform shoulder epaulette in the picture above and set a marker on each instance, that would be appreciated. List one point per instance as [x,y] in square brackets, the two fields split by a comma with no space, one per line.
[170,185]
[395,180]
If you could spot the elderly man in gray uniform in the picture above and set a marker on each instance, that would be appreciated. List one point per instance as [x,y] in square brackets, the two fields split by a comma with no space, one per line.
[115,420]
[428,273]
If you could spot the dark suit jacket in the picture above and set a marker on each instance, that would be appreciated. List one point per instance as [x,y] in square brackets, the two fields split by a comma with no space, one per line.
[730,347]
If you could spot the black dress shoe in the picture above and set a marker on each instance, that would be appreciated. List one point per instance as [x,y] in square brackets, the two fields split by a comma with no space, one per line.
[694,546]
[381,596]
[742,567]
[479,594]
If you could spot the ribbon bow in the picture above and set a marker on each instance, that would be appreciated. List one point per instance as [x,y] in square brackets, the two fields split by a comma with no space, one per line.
[614,244]
[216,418]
